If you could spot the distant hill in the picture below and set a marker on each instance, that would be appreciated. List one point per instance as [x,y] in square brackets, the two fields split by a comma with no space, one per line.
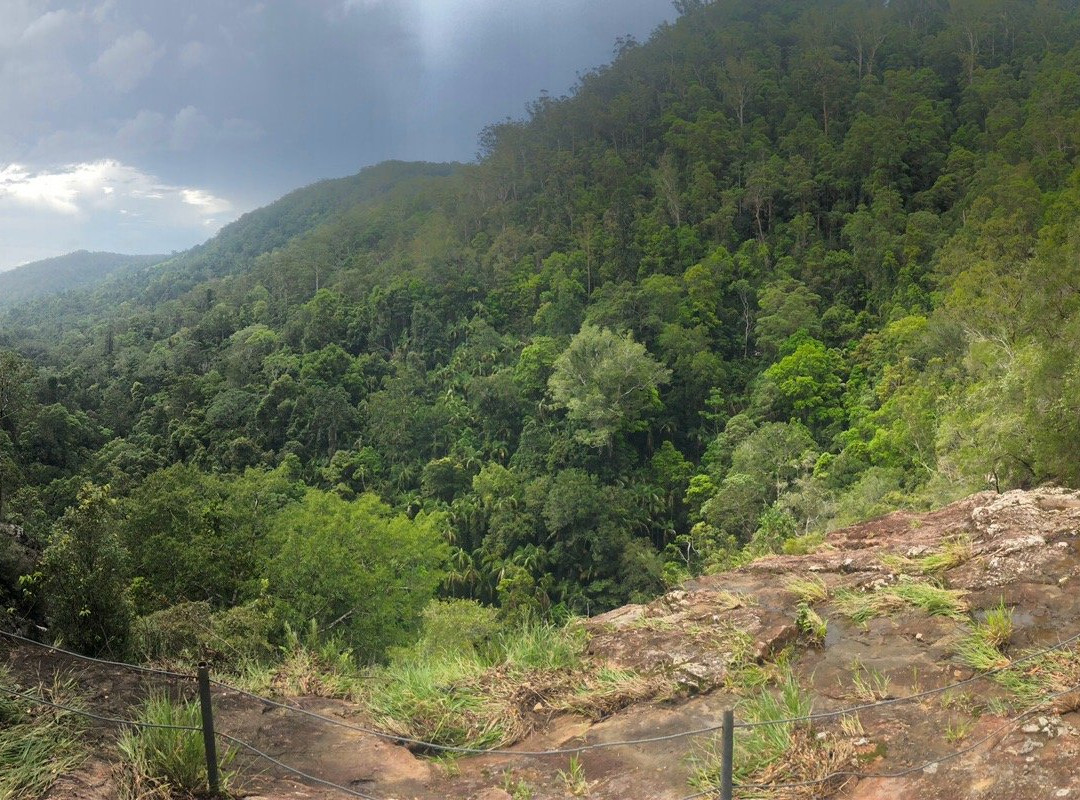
[234,249]
[78,270]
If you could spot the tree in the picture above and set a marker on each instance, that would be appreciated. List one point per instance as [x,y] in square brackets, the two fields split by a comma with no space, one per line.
[16,376]
[197,536]
[607,383]
[85,572]
[785,307]
[764,465]
[808,385]
[9,470]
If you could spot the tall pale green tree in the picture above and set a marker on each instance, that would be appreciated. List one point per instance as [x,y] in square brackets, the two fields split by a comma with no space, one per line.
[607,383]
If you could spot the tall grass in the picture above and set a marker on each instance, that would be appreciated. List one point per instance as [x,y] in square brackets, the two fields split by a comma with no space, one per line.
[759,748]
[160,763]
[809,590]
[935,600]
[953,553]
[38,743]
[466,697]
[439,700]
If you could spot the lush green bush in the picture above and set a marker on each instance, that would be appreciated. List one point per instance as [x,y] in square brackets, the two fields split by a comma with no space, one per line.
[192,632]
[357,569]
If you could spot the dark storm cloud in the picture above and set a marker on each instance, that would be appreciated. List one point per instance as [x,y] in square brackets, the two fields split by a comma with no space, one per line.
[144,126]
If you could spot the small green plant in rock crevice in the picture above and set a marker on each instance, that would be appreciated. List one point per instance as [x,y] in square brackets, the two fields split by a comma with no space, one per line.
[574,777]
[957,730]
[870,684]
[517,788]
[811,623]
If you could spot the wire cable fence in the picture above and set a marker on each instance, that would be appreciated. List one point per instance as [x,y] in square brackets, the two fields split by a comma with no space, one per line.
[90,659]
[577,749]
[123,721]
[299,773]
[999,733]
[119,721]
[558,751]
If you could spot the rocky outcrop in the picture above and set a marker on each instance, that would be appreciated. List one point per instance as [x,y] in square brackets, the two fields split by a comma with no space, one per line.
[1020,550]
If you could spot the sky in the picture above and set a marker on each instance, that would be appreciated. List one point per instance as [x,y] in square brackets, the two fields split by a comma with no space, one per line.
[143,127]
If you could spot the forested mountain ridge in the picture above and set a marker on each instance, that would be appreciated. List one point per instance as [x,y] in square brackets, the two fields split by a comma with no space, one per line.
[76,270]
[783,266]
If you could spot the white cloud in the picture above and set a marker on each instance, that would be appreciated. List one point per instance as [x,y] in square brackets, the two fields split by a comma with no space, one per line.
[106,187]
[49,27]
[128,60]
[100,205]
[205,202]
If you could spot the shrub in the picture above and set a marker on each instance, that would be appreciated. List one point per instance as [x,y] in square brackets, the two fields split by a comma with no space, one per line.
[191,632]
[358,569]
[85,577]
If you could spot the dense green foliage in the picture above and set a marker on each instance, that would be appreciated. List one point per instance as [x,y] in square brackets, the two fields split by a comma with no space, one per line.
[784,266]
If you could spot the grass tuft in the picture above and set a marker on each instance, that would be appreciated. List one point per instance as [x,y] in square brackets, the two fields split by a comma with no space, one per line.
[811,623]
[953,553]
[870,684]
[38,743]
[809,590]
[981,648]
[574,777]
[935,600]
[158,763]
[998,625]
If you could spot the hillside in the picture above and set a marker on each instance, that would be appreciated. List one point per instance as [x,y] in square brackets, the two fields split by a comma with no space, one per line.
[781,268]
[713,644]
[747,282]
[74,271]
